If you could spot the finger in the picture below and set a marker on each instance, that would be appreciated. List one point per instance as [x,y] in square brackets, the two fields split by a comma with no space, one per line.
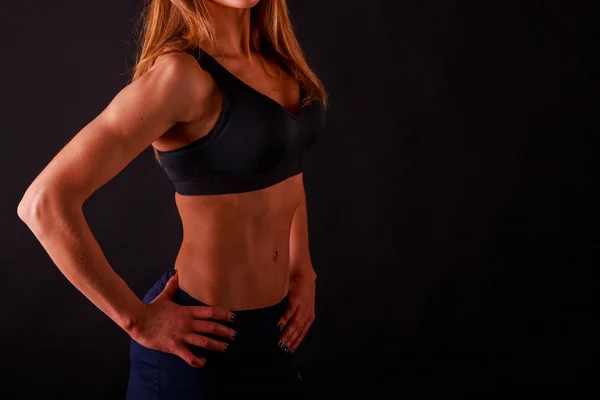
[186,355]
[207,312]
[292,329]
[205,342]
[213,328]
[289,312]
[170,288]
[291,339]
[301,336]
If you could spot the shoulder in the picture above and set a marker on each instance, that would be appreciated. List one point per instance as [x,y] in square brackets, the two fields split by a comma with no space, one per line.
[179,75]
[176,63]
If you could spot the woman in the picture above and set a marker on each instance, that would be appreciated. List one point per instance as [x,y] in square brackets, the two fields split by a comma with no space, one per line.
[223,94]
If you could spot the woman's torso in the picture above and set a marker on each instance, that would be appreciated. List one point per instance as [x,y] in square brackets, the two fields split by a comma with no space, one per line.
[235,249]
[235,246]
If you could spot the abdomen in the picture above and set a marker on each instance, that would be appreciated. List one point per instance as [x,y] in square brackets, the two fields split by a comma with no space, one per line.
[235,249]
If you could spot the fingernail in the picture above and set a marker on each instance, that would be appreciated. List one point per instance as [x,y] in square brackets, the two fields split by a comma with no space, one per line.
[280,326]
[292,351]
[233,317]
[281,344]
[226,346]
[285,348]
[234,336]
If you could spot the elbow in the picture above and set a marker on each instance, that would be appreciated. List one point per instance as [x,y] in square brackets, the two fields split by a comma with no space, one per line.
[26,205]
[308,276]
[38,205]
[303,271]
[32,206]
[23,210]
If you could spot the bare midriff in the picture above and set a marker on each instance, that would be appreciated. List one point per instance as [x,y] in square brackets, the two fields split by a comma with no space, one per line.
[235,249]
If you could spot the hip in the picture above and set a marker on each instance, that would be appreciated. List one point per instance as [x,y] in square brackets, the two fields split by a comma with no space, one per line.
[252,362]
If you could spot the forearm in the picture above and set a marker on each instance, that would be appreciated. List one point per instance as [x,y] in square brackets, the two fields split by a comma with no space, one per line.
[68,240]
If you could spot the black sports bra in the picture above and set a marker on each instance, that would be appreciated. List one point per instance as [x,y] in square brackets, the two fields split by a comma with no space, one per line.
[255,143]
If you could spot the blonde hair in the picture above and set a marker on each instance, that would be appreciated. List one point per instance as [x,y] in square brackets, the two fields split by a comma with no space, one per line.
[180,25]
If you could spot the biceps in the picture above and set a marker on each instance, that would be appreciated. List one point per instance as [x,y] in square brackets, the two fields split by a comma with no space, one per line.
[95,155]
[139,114]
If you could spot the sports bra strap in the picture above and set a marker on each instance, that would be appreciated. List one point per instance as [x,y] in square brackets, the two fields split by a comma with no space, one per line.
[209,64]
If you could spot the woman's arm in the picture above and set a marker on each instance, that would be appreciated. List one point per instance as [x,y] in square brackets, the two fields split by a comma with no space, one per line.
[171,91]
[300,263]
[300,312]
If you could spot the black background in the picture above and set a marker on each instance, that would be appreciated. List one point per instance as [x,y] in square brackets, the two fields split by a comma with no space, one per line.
[452,210]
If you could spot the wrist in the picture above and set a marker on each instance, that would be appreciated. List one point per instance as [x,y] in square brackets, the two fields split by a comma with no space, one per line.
[133,321]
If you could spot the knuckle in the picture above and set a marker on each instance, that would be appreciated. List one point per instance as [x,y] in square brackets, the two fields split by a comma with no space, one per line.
[200,312]
[189,338]
[209,312]
[203,341]
[211,327]
[170,347]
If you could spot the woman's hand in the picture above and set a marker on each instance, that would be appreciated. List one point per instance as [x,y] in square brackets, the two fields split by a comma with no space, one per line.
[299,315]
[169,327]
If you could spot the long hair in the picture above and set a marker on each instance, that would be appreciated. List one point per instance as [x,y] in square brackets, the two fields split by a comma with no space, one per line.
[179,25]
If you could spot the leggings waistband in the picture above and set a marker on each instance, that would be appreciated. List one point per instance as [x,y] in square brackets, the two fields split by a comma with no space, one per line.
[244,319]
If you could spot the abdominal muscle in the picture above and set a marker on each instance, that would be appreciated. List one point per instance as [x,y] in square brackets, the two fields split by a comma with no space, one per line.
[235,249]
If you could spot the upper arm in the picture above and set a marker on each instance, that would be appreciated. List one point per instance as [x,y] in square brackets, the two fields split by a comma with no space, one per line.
[299,251]
[139,114]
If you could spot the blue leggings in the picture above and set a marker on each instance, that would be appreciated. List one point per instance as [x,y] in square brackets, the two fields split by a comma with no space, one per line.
[252,364]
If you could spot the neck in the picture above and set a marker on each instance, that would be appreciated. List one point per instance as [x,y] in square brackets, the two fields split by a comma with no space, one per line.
[232,30]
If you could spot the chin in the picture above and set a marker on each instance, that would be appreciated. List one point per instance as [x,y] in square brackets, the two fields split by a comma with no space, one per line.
[236,3]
